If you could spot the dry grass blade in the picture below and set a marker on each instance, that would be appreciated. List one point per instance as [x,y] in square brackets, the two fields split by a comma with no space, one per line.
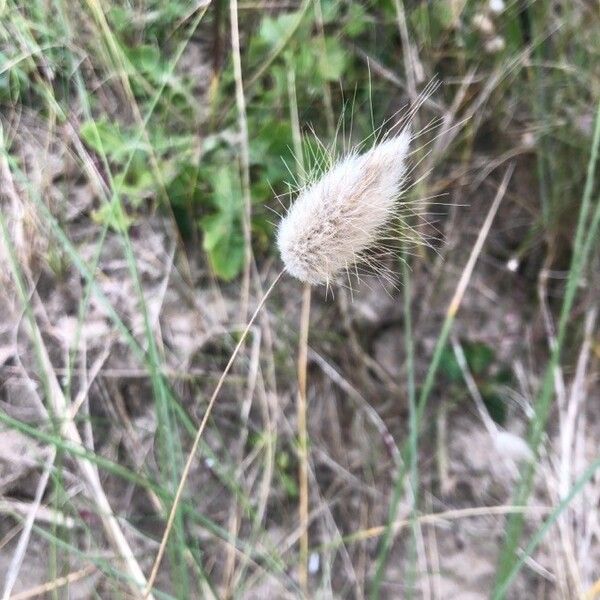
[238,453]
[443,517]
[194,449]
[90,473]
[442,340]
[60,408]
[15,564]
[143,148]
[483,232]
[51,586]
[593,592]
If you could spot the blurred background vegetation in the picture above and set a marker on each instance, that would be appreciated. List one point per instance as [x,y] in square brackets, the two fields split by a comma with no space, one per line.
[120,120]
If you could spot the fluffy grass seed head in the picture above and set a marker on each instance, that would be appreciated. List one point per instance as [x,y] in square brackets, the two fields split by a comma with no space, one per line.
[336,219]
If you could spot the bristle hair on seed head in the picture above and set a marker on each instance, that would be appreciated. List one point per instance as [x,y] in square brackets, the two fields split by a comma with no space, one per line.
[336,219]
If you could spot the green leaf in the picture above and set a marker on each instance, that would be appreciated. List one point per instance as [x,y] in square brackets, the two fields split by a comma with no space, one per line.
[305,63]
[330,11]
[443,13]
[273,30]
[357,22]
[223,236]
[112,214]
[289,485]
[184,189]
[494,403]
[449,365]
[270,151]
[104,138]
[146,58]
[332,63]
[184,192]
[420,21]
[479,356]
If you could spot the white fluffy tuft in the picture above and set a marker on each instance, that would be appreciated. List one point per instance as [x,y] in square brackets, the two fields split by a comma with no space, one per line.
[336,219]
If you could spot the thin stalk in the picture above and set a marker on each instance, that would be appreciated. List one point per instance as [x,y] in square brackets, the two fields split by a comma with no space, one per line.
[244,154]
[170,451]
[303,438]
[16,562]
[168,439]
[194,449]
[329,116]
[410,61]
[240,99]
[539,101]
[413,440]
[302,357]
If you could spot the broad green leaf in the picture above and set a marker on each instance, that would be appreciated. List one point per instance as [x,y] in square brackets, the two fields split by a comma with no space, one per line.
[332,63]
[330,10]
[112,214]
[273,30]
[479,356]
[223,236]
[444,14]
[107,138]
[146,59]
[357,22]
[449,365]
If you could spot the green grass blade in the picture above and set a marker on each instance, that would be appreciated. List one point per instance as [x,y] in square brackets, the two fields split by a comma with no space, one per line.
[585,238]
[426,389]
[503,587]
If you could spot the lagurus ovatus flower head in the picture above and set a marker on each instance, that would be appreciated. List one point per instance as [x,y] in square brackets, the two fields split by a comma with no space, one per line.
[336,219]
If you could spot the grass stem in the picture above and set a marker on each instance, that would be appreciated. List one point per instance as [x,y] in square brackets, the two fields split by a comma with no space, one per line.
[303,438]
[194,449]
